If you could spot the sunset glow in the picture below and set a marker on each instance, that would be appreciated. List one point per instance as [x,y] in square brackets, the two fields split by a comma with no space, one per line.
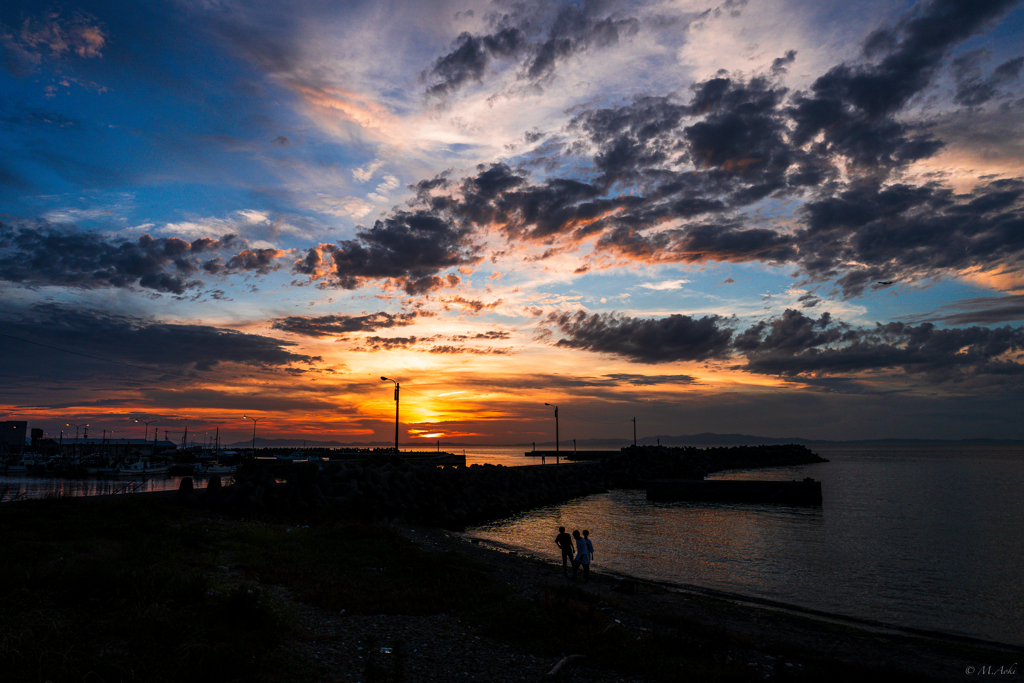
[754,217]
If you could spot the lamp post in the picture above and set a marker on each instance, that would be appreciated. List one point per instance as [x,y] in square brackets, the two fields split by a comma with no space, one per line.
[634,432]
[254,421]
[556,428]
[396,410]
[145,438]
[72,424]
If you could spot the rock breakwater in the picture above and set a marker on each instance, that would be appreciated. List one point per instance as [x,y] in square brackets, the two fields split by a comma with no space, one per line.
[454,497]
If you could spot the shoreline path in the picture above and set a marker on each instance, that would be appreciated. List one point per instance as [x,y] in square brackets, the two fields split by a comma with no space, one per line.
[771,639]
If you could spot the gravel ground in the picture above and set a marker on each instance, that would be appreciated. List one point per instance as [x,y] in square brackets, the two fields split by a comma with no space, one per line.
[766,640]
[439,647]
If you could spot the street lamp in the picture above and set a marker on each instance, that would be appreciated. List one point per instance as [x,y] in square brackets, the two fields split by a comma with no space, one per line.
[146,437]
[72,424]
[634,432]
[556,428]
[396,411]
[254,421]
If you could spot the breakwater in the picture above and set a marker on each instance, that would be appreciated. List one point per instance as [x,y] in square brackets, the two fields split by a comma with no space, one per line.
[453,497]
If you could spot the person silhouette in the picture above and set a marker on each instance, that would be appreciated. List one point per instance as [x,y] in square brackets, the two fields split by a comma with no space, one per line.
[582,557]
[564,541]
[590,554]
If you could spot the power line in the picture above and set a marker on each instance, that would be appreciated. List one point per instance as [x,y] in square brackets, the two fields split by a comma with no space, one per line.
[603,422]
[105,360]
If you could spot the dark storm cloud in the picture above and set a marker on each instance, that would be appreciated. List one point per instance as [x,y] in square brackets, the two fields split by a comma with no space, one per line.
[900,231]
[129,339]
[851,106]
[469,57]
[781,64]
[536,42]
[742,130]
[430,283]
[259,261]
[986,310]
[342,325]
[270,402]
[634,137]
[576,30]
[410,247]
[702,242]
[675,338]
[794,344]
[972,88]
[44,254]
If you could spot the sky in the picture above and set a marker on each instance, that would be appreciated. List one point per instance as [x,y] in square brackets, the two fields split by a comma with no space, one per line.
[773,217]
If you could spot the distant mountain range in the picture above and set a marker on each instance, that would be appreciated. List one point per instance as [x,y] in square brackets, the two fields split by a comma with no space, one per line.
[704,439]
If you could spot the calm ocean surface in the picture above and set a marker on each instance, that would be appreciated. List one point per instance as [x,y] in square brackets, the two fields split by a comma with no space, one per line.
[917,536]
[923,537]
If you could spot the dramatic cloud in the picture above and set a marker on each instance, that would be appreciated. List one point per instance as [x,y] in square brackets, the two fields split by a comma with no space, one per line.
[43,254]
[675,338]
[469,57]
[972,88]
[986,310]
[851,106]
[407,247]
[878,233]
[520,39]
[343,325]
[793,344]
[259,261]
[132,340]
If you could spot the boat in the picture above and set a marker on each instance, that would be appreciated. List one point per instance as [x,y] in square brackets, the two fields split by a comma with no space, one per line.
[215,469]
[143,468]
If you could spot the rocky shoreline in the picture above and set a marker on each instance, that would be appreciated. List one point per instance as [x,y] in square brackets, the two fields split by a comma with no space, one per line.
[769,643]
[454,497]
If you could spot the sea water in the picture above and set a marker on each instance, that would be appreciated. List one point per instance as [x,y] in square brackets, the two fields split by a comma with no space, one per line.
[921,537]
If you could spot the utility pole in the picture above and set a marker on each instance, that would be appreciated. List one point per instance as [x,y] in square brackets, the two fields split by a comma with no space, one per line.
[254,421]
[396,410]
[556,428]
[634,432]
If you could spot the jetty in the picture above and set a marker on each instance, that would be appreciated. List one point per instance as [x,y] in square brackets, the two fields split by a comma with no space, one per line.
[573,455]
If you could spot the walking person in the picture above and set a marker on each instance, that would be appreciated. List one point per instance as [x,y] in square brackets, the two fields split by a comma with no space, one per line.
[590,546]
[564,541]
[582,557]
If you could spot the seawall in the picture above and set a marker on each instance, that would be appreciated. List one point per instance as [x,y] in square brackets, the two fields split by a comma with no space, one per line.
[454,497]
